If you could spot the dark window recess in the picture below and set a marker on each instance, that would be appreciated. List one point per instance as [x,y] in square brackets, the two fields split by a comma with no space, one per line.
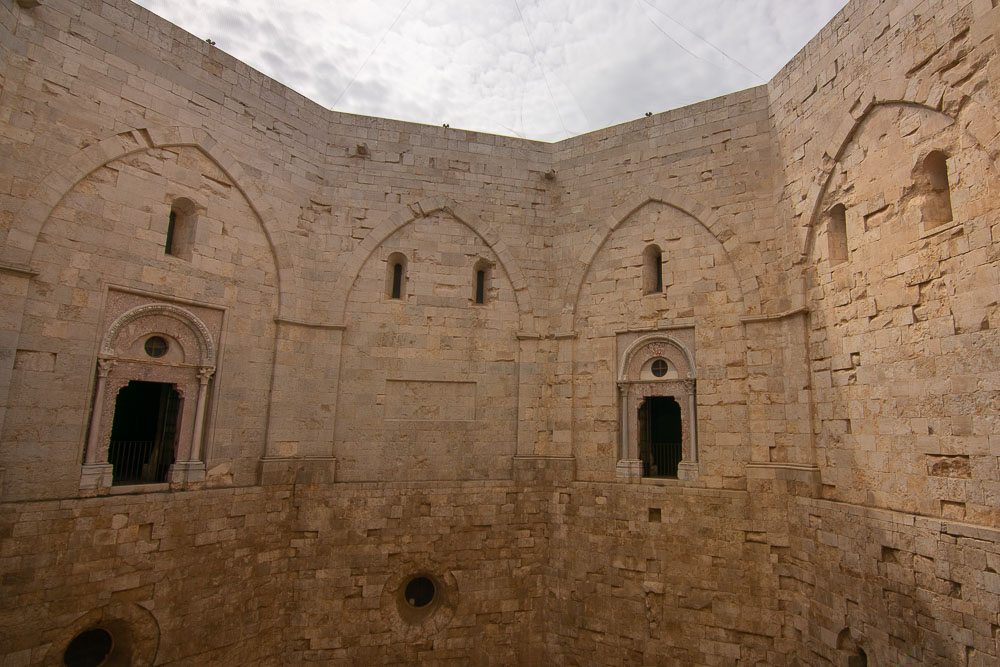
[937,201]
[652,270]
[168,247]
[397,281]
[143,433]
[419,592]
[659,368]
[660,436]
[836,231]
[88,649]
[480,286]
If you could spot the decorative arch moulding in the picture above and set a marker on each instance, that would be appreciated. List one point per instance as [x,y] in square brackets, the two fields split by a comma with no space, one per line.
[203,336]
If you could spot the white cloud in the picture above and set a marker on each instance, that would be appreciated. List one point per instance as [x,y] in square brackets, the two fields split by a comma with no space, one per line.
[553,69]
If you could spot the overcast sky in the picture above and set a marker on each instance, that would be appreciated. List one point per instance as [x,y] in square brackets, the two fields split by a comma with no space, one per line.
[541,69]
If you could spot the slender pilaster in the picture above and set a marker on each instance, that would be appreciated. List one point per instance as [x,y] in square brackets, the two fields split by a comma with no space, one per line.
[95,473]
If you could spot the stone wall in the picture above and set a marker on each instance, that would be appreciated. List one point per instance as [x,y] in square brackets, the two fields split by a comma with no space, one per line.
[834,305]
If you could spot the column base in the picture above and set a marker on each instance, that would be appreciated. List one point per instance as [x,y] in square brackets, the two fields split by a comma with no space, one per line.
[630,469]
[186,471]
[687,471]
[96,475]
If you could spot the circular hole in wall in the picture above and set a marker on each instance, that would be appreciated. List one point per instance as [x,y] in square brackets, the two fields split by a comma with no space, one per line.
[659,368]
[419,592]
[156,346]
[89,648]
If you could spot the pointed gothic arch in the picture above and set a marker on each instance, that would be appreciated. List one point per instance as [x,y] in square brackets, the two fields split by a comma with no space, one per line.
[975,118]
[706,218]
[419,210]
[31,217]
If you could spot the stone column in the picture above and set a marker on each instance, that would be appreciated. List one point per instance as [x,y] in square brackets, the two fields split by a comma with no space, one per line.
[95,473]
[629,466]
[204,375]
[687,469]
[193,470]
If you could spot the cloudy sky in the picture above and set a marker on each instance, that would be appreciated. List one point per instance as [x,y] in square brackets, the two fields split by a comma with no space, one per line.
[541,69]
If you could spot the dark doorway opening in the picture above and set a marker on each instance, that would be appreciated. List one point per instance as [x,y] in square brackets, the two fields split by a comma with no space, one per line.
[144,432]
[660,436]
[89,648]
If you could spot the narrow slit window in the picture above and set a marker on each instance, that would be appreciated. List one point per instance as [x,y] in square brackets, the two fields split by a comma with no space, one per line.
[171,224]
[396,276]
[397,281]
[836,233]
[652,279]
[481,272]
[480,286]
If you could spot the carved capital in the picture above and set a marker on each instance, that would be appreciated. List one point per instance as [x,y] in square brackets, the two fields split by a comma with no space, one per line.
[105,366]
[205,374]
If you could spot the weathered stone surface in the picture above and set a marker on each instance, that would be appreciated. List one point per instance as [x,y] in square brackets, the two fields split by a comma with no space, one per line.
[827,309]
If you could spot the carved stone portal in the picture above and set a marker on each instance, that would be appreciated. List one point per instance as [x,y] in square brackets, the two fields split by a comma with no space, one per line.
[656,366]
[154,343]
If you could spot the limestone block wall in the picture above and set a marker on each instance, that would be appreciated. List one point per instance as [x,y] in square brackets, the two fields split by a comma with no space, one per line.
[105,238]
[177,578]
[280,574]
[429,377]
[635,580]
[903,346]
[838,303]
[897,277]
[484,544]
[904,587]
[701,291]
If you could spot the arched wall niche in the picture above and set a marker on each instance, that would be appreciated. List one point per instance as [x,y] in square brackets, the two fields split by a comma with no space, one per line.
[38,207]
[435,372]
[701,290]
[414,213]
[916,278]
[702,215]
[977,120]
